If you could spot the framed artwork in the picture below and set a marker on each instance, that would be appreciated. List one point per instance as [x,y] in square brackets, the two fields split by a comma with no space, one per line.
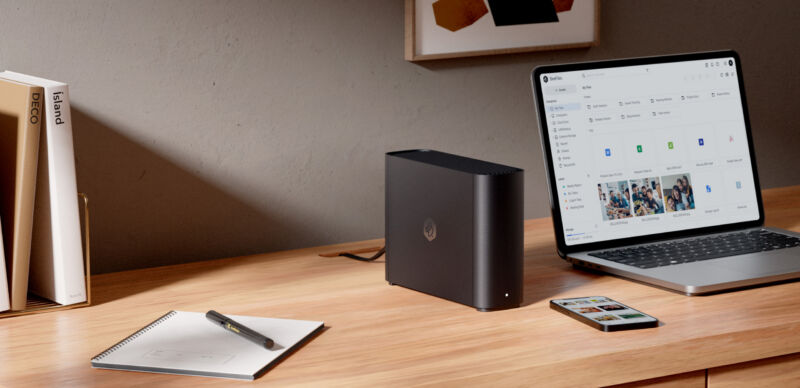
[437,29]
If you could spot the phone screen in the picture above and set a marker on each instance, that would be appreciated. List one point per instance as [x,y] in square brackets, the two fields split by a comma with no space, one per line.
[603,311]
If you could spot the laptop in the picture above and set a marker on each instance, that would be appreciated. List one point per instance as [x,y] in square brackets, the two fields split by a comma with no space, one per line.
[652,176]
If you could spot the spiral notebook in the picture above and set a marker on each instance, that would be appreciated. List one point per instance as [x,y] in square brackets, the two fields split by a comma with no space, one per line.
[186,343]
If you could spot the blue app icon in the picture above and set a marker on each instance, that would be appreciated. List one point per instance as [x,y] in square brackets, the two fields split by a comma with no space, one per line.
[738,184]
[700,141]
[608,151]
[708,188]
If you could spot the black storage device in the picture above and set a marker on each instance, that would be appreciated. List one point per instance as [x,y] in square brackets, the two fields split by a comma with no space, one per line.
[454,228]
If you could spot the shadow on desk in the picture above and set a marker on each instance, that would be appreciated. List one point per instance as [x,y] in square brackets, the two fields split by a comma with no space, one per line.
[541,257]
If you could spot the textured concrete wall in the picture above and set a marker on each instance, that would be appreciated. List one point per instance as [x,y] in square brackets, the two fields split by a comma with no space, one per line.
[209,129]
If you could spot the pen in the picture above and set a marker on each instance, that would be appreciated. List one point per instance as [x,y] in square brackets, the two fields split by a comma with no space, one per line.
[238,328]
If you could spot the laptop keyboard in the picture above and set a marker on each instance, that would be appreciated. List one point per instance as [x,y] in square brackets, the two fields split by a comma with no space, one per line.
[697,249]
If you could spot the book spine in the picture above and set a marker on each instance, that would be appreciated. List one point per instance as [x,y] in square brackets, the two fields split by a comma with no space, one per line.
[25,191]
[5,301]
[57,253]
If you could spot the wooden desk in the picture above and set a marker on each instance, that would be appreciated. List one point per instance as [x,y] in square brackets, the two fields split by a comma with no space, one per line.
[380,335]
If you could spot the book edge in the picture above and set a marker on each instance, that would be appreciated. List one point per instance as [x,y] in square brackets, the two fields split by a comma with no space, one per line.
[28,134]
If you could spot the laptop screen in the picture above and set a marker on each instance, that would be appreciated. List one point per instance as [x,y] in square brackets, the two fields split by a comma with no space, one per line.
[647,149]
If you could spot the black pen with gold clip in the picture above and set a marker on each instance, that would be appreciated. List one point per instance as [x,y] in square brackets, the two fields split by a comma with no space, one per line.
[238,328]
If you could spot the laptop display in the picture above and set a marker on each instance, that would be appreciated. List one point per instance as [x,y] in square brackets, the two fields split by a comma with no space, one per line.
[646,148]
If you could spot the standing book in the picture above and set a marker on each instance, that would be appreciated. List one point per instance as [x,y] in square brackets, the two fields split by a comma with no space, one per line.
[186,343]
[56,262]
[5,302]
[20,121]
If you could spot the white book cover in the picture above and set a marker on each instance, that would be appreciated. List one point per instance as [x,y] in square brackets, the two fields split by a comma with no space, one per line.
[186,343]
[5,301]
[56,264]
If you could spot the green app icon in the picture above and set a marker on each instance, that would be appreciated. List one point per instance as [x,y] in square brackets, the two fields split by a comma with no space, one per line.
[639,148]
[670,145]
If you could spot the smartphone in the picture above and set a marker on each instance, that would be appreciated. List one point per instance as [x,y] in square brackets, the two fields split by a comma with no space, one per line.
[604,313]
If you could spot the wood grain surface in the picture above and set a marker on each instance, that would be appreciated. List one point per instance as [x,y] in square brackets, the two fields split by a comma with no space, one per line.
[696,379]
[783,371]
[381,335]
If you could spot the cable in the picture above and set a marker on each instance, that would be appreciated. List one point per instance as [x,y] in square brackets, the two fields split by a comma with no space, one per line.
[361,258]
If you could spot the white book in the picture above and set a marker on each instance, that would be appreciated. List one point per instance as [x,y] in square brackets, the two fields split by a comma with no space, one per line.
[187,343]
[56,263]
[5,301]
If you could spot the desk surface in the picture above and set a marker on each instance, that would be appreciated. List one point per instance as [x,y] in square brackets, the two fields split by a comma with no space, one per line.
[383,335]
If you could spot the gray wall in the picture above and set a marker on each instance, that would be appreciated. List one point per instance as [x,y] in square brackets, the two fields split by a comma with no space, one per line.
[209,129]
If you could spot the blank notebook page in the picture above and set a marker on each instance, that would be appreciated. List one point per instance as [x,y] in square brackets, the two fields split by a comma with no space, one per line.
[187,343]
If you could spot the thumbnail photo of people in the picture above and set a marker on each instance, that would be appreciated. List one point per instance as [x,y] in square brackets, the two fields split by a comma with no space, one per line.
[678,192]
[615,200]
[612,307]
[646,196]
[606,318]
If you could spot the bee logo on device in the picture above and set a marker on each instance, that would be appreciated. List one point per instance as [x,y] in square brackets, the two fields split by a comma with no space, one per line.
[429,229]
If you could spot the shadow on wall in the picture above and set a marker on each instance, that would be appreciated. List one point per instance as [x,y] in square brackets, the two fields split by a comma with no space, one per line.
[146,211]
[535,58]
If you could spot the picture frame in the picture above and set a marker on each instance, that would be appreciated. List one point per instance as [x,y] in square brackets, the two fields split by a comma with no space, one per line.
[425,40]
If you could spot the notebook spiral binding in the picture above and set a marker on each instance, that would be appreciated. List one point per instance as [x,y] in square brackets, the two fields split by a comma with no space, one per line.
[134,335]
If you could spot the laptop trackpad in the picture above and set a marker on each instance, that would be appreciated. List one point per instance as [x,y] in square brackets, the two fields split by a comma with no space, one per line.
[762,264]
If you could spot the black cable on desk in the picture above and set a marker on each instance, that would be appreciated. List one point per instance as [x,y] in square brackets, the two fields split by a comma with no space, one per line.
[361,258]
